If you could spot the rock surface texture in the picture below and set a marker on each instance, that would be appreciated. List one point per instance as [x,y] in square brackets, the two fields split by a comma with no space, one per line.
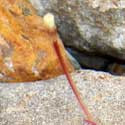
[53,103]
[26,43]
[95,26]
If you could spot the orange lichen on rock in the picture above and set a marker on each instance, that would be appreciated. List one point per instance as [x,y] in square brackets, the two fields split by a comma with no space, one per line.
[26,44]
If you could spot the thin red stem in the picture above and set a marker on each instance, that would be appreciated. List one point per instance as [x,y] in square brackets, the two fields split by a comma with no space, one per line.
[73,86]
[90,122]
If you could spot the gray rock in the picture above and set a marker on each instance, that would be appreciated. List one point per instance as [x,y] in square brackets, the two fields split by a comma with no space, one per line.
[89,25]
[90,61]
[73,61]
[53,103]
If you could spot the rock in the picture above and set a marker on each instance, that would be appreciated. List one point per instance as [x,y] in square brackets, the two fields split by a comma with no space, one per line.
[96,26]
[90,61]
[73,60]
[93,61]
[116,68]
[52,102]
[26,44]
